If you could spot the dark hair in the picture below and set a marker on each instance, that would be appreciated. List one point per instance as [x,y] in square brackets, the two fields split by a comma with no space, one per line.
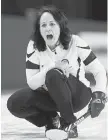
[65,34]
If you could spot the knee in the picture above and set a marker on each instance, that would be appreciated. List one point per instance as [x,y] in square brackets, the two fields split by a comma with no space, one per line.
[53,73]
[15,105]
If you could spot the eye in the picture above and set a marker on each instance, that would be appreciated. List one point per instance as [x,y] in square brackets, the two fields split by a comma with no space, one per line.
[43,25]
[52,24]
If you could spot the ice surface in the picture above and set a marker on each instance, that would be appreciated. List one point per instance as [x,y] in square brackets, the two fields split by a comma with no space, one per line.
[13,128]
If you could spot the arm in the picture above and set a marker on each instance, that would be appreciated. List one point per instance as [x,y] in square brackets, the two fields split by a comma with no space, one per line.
[95,67]
[35,77]
[92,65]
[35,80]
[99,73]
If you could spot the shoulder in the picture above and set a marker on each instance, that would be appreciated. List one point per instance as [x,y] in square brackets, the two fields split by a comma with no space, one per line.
[79,41]
[30,48]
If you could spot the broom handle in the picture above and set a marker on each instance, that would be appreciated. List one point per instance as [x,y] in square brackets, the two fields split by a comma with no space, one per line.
[79,120]
[84,116]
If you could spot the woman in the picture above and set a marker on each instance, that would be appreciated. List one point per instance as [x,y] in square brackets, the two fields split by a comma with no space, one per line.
[55,70]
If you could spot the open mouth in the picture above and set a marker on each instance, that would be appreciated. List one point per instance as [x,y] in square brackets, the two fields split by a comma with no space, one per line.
[49,36]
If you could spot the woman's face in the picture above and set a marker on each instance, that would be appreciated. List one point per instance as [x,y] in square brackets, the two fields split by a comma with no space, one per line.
[49,29]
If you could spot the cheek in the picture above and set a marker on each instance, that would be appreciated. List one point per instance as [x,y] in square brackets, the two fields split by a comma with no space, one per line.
[57,31]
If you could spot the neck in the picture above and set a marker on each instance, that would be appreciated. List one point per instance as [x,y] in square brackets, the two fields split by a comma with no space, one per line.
[54,46]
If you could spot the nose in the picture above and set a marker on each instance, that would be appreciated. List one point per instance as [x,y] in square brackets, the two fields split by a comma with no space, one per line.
[48,28]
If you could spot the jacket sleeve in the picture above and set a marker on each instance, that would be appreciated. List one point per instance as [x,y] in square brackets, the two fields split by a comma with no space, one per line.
[35,77]
[92,64]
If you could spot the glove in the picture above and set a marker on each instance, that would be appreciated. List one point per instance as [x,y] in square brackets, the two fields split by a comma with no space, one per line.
[97,103]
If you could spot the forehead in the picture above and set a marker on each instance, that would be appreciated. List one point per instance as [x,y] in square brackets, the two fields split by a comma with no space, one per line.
[46,17]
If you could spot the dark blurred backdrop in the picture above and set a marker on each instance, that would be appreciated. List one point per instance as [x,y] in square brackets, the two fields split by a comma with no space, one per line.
[94,9]
[84,15]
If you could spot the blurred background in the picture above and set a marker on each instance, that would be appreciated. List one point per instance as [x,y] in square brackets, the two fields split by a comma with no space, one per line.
[87,18]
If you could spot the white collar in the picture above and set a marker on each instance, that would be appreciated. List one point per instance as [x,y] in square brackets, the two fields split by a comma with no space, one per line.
[58,48]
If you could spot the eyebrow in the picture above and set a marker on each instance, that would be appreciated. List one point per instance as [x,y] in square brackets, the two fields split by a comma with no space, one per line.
[42,22]
[52,21]
[45,22]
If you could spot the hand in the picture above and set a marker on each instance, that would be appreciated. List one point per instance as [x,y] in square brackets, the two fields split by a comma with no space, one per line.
[64,66]
[97,103]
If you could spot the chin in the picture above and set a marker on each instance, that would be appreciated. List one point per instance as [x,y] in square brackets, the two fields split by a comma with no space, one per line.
[51,44]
